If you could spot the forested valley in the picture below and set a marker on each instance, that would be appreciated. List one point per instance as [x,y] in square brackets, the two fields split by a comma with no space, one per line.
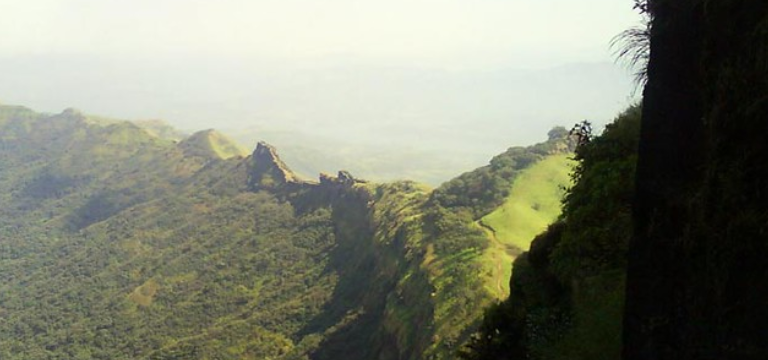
[644,241]
[120,242]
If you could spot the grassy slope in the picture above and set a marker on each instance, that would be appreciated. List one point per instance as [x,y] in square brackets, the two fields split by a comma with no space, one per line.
[225,147]
[473,268]
[533,203]
[212,144]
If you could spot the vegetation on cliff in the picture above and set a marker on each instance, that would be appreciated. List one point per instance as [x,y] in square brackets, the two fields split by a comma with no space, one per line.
[566,295]
[691,250]
[118,242]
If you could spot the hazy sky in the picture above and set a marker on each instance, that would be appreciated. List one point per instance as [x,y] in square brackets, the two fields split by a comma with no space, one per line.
[448,76]
[453,34]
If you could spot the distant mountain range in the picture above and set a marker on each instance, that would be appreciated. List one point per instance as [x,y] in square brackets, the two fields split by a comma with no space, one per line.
[375,121]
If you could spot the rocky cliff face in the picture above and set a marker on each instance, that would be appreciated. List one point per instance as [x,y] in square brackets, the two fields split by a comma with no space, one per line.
[267,168]
[268,172]
[380,302]
[697,280]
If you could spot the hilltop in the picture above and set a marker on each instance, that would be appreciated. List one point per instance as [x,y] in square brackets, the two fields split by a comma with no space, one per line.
[211,143]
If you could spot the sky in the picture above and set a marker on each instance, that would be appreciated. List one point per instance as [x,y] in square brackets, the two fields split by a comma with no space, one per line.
[443,76]
[447,34]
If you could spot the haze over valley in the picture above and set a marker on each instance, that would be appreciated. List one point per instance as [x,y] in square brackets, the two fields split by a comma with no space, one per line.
[414,89]
[370,180]
[380,123]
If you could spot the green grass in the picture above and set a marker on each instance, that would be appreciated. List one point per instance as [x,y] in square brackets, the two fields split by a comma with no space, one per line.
[497,267]
[225,147]
[533,202]
[211,143]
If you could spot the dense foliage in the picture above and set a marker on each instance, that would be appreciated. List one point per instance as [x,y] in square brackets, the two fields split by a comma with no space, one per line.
[567,292]
[461,254]
[117,243]
[683,274]
[485,188]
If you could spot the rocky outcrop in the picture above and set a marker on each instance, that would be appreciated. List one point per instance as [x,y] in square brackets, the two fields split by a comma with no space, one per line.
[343,178]
[268,170]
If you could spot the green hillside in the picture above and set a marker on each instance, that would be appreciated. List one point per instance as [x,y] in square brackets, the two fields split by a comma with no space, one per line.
[568,289]
[161,129]
[533,203]
[465,264]
[211,143]
[119,243]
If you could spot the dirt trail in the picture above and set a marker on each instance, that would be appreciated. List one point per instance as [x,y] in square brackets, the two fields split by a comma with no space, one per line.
[500,248]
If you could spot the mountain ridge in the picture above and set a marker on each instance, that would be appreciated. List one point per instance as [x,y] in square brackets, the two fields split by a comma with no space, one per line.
[195,256]
[211,143]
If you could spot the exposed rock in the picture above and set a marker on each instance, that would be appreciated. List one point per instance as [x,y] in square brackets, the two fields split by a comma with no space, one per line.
[267,170]
[343,177]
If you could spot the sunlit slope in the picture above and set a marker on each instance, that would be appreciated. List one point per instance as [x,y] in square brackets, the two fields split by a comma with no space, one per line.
[533,202]
[466,266]
[211,143]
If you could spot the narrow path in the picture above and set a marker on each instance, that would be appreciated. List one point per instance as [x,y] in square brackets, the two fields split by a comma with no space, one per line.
[501,248]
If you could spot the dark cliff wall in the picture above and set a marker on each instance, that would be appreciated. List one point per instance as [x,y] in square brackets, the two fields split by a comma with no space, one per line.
[697,279]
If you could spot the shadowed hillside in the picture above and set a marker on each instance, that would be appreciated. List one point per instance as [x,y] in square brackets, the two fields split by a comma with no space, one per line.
[135,245]
[567,290]
[697,278]
[660,250]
